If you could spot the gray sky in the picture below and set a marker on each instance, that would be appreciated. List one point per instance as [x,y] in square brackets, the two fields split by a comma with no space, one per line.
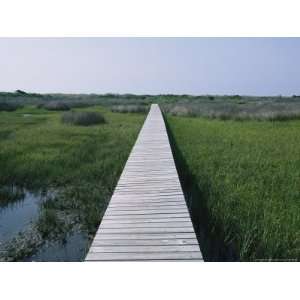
[252,66]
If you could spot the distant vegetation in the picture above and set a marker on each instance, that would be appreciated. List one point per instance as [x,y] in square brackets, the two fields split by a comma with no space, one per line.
[137,108]
[234,107]
[84,118]
[9,106]
[54,105]
[238,108]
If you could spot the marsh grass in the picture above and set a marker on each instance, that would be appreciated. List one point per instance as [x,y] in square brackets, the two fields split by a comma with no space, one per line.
[83,118]
[83,163]
[49,224]
[239,110]
[10,194]
[241,180]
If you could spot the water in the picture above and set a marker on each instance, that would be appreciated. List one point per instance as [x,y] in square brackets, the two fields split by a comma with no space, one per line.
[18,208]
[73,249]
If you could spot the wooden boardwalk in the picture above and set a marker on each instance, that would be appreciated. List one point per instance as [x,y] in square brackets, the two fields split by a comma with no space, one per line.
[147,217]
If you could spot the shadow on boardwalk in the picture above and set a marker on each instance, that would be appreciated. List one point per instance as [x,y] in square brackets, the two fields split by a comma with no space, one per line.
[210,237]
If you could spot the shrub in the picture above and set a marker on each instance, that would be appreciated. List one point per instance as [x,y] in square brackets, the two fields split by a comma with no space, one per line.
[129,108]
[6,106]
[84,118]
[54,105]
[21,92]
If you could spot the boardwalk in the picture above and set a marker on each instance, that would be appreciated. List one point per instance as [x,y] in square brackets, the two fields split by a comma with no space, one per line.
[147,218]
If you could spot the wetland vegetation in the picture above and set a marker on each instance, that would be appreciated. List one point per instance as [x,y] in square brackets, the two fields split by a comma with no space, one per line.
[242,184]
[237,157]
[81,164]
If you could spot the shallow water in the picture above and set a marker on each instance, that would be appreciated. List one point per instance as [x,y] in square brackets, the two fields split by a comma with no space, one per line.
[18,208]
[73,249]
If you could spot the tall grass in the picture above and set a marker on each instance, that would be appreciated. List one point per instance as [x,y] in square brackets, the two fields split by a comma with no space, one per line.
[83,118]
[242,184]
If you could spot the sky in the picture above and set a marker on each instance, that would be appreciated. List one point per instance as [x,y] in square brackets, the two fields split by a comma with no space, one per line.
[245,66]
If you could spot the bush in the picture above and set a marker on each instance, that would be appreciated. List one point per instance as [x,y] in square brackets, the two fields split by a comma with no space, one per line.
[129,108]
[54,105]
[21,92]
[84,118]
[5,106]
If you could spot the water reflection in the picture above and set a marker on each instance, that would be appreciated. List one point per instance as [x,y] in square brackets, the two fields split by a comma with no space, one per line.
[18,208]
[74,248]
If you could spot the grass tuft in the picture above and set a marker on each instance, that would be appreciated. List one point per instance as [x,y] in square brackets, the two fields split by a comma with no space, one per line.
[83,118]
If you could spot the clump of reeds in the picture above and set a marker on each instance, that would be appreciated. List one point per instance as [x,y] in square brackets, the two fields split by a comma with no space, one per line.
[83,118]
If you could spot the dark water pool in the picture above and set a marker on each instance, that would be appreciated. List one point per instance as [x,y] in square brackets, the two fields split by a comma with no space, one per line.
[18,208]
[74,248]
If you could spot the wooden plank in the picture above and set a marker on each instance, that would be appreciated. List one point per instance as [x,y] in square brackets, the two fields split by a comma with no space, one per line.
[148,225]
[146,207]
[144,249]
[147,236]
[143,242]
[148,230]
[134,221]
[144,203]
[145,256]
[147,218]
[144,212]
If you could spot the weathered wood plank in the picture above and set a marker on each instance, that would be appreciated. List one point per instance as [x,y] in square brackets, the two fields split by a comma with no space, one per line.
[147,216]
[147,236]
[146,207]
[148,230]
[109,225]
[145,256]
[143,242]
[139,221]
[144,249]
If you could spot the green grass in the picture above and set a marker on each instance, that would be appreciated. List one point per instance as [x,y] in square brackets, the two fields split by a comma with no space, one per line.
[242,182]
[38,149]
[83,163]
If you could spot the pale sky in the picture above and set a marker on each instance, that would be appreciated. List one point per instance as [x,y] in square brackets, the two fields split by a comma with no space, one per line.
[245,66]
